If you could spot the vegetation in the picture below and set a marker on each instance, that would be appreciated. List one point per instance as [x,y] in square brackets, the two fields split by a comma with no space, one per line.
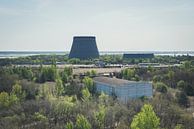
[161,87]
[107,59]
[82,123]
[48,97]
[88,82]
[146,119]
[182,99]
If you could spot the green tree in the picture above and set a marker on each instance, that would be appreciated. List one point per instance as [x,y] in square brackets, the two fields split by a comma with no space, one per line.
[40,117]
[27,73]
[171,75]
[66,75]
[178,126]
[64,106]
[4,99]
[52,73]
[88,82]
[82,123]
[187,64]
[59,87]
[161,87]
[150,69]
[46,91]
[181,85]
[157,78]
[7,100]
[100,116]
[17,90]
[103,98]
[182,99]
[128,74]
[69,125]
[13,99]
[68,71]
[48,73]
[86,95]
[7,81]
[74,61]
[146,119]
[93,73]
[88,73]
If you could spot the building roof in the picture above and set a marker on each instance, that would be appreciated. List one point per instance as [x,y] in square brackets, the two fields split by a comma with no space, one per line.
[114,81]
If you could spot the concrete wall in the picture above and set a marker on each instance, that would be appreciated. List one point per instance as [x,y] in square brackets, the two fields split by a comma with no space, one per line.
[126,92]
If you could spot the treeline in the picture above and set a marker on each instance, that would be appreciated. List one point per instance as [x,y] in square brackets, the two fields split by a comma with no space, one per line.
[106,59]
[34,60]
[40,74]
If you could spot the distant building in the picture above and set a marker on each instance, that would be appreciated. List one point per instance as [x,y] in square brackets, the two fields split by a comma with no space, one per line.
[84,47]
[123,89]
[138,55]
[148,64]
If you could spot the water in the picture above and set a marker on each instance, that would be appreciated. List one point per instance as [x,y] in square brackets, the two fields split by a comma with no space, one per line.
[167,53]
[15,54]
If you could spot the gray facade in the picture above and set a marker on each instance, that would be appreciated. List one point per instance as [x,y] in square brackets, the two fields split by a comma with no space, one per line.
[123,89]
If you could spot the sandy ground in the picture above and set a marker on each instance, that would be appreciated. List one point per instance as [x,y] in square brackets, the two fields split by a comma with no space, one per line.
[79,69]
[98,70]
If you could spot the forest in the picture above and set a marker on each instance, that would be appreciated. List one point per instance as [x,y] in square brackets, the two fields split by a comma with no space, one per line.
[48,98]
[107,59]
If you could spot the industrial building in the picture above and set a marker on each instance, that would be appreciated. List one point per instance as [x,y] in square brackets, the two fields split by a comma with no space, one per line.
[138,55]
[84,47]
[123,89]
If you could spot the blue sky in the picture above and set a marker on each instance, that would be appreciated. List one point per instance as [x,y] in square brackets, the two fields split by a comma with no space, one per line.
[117,24]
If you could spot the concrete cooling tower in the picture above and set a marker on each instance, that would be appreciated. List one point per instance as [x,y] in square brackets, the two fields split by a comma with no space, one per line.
[84,47]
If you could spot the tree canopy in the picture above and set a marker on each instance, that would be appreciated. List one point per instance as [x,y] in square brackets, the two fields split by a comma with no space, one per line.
[146,119]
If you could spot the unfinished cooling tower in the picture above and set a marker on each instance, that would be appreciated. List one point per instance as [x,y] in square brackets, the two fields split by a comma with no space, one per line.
[84,47]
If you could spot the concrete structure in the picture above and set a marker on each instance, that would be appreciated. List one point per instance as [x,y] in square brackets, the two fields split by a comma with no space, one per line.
[148,64]
[123,89]
[84,47]
[138,55]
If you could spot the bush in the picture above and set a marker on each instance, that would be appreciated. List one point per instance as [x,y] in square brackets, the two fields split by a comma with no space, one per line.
[146,119]
[182,99]
[7,100]
[181,85]
[82,123]
[161,87]
[157,78]
[88,82]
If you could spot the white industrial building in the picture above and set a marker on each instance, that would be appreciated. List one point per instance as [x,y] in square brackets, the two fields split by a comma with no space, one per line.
[123,89]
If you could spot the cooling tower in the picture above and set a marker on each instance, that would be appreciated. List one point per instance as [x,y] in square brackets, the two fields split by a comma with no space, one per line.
[84,47]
